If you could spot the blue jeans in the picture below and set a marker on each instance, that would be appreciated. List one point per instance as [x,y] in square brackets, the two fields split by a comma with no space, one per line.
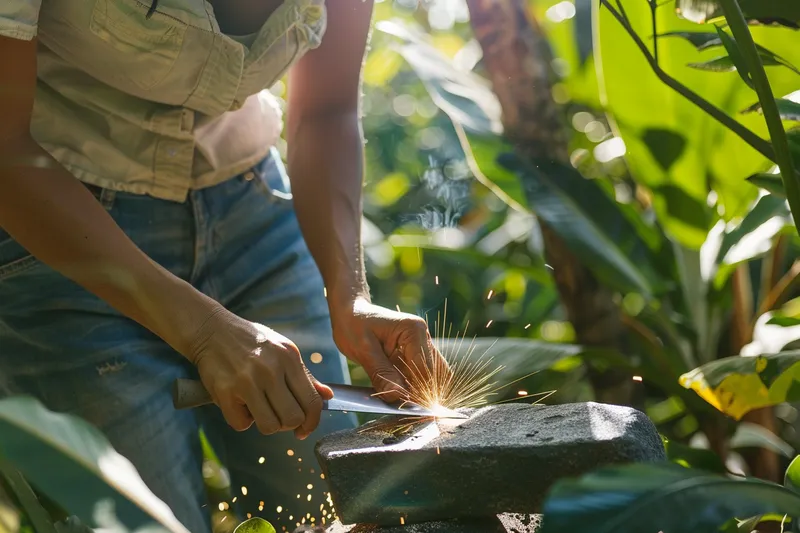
[240,243]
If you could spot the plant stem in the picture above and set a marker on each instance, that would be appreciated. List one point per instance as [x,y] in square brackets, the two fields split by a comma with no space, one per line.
[757,143]
[744,40]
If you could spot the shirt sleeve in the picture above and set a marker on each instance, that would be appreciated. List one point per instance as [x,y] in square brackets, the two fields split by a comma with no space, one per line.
[19,18]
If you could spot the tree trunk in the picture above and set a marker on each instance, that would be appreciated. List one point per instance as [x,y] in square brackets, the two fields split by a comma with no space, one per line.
[517,58]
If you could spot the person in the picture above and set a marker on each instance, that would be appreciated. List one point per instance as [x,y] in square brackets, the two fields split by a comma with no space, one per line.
[146,215]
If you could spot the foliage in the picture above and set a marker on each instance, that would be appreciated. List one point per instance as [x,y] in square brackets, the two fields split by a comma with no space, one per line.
[254,525]
[665,497]
[73,464]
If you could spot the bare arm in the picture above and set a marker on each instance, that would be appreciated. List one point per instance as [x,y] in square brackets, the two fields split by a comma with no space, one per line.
[326,153]
[326,168]
[50,213]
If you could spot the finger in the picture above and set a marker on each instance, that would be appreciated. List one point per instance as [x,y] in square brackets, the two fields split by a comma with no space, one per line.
[386,379]
[306,392]
[286,406]
[262,411]
[322,389]
[236,413]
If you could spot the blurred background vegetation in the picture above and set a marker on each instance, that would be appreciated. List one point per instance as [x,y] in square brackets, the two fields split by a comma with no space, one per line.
[605,209]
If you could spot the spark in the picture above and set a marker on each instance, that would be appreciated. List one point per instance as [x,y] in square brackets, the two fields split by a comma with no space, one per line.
[279,509]
[234,499]
[221,506]
[325,291]
[437,280]
[459,379]
[491,293]
[309,497]
[298,496]
[637,378]
[322,476]
[527,326]
[312,471]
[223,519]
[402,521]
[398,308]
[244,491]
[316,358]
[299,459]
[437,451]
[249,515]
[291,517]
[309,486]
[290,452]
[261,460]
[260,508]
[405,492]
[489,323]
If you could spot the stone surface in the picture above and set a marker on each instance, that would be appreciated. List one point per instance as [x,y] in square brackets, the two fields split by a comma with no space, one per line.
[503,459]
[507,523]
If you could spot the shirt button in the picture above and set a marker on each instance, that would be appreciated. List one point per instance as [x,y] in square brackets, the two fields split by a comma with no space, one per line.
[249,175]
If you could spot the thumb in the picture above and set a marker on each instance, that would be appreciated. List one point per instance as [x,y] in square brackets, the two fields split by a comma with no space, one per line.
[323,390]
[385,378]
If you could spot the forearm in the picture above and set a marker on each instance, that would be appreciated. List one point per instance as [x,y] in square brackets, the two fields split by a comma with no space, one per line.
[326,168]
[57,219]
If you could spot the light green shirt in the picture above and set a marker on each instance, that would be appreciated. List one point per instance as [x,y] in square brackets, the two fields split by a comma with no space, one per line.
[157,106]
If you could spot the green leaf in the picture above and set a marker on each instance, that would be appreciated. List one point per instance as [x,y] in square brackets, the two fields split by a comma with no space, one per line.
[737,385]
[254,525]
[699,458]
[788,107]
[771,183]
[713,157]
[700,39]
[568,203]
[735,56]
[753,236]
[658,497]
[749,435]
[783,12]
[718,64]
[792,478]
[72,463]
[40,519]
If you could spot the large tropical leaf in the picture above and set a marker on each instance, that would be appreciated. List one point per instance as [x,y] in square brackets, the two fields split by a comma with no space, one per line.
[784,12]
[646,498]
[591,223]
[753,236]
[737,385]
[71,462]
[674,148]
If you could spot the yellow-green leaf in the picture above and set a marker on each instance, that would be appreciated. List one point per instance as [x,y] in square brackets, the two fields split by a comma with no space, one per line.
[737,385]
[255,525]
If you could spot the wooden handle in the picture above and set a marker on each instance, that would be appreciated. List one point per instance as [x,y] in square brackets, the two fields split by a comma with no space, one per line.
[189,393]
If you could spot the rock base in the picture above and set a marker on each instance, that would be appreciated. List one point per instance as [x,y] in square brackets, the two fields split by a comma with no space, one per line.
[503,459]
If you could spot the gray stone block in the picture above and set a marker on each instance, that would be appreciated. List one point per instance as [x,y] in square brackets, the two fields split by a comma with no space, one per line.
[503,459]
[507,523]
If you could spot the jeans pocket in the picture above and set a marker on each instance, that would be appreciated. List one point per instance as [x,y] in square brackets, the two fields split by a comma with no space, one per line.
[14,258]
[273,180]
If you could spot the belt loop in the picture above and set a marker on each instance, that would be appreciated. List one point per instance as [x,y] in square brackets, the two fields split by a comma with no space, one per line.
[107,197]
